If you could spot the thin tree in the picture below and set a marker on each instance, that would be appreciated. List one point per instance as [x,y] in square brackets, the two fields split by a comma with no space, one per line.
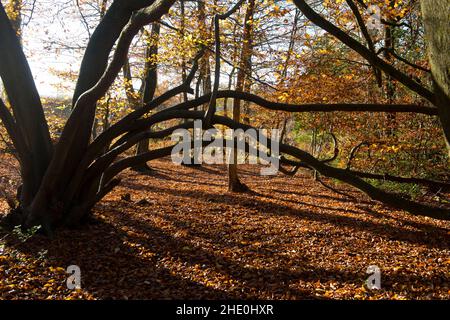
[242,83]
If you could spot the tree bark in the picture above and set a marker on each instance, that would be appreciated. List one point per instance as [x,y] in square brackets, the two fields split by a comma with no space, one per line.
[234,184]
[436,17]
[47,207]
[27,108]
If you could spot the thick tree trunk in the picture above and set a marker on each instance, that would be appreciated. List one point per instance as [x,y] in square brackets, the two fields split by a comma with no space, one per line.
[30,122]
[52,205]
[436,17]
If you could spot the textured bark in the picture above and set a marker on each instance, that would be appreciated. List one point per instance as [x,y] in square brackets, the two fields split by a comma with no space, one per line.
[436,17]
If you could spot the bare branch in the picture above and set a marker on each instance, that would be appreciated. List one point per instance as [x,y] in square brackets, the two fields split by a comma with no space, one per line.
[211,110]
[372,58]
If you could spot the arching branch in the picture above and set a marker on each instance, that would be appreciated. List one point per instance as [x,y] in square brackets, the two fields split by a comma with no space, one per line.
[309,161]
[343,175]
[371,57]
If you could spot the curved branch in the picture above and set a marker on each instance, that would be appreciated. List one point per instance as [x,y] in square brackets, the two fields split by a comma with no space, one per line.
[398,57]
[343,175]
[311,107]
[291,172]
[307,159]
[75,137]
[354,151]
[387,177]
[367,37]
[95,59]
[121,165]
[371,57]
[335,149]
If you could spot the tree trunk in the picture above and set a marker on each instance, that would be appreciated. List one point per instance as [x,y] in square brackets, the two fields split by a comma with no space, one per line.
[148,90]
[234,184]
[30,122]
[16,19]
[436,16]
[389,85]
[205,67]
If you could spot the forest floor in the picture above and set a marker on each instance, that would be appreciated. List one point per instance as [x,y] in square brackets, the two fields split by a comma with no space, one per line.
[177,234]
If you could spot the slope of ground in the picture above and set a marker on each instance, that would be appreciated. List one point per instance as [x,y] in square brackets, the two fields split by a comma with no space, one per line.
[178,234]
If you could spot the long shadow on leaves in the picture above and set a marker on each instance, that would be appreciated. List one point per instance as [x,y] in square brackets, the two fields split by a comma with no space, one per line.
[427,235]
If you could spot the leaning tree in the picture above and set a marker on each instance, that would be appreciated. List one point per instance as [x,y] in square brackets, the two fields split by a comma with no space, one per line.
[61,183]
